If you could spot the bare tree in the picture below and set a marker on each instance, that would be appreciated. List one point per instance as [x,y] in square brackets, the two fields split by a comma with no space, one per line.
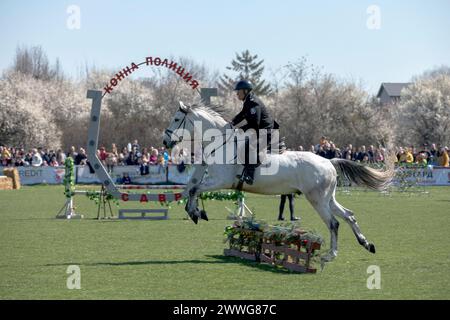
[34,61]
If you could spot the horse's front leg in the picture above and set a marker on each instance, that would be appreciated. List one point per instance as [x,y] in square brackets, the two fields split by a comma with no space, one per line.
[192,205]
[219,178]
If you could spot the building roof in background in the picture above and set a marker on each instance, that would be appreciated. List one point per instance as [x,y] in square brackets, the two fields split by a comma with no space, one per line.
[393,89]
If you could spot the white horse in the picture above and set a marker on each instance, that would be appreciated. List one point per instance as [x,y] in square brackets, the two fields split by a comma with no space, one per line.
[314,176]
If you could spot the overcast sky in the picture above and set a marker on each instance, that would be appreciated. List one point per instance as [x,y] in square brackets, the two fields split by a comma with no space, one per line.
[345,37]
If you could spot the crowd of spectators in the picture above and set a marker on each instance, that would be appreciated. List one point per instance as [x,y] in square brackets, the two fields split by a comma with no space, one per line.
[35,157]
[134,154]
[425,155]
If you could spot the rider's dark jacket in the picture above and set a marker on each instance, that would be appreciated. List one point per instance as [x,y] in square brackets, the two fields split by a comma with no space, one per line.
[255,112]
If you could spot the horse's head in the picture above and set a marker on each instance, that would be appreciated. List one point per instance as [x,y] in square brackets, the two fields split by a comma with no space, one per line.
[188,119]
[180,124]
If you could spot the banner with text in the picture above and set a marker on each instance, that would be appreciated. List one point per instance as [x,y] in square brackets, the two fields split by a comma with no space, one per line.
[426,176]
[40,175]
[423,176]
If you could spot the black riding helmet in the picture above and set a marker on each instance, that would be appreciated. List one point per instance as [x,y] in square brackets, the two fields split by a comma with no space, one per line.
[243,84]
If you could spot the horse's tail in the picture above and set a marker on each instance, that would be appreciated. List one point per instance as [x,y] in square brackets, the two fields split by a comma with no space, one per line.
[363,175]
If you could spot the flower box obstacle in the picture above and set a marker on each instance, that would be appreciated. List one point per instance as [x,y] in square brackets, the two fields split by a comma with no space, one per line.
[294,255]
[287,247]
[245,244]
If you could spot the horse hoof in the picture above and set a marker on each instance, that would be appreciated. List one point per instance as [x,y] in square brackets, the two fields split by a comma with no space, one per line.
[371,248]
[324,260]
[203,215]
[195,219]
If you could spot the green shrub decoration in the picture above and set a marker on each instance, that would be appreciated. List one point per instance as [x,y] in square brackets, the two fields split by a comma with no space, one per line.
[69,178]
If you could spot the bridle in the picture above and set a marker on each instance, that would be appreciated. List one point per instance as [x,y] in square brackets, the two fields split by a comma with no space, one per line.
[171,133]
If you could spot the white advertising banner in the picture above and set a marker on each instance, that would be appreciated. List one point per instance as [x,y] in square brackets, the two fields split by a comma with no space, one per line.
[40,175]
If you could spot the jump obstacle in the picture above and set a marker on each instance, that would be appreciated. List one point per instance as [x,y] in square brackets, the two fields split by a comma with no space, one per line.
[290,249]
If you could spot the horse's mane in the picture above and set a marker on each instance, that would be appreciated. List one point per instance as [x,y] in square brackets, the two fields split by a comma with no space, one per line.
[215,111]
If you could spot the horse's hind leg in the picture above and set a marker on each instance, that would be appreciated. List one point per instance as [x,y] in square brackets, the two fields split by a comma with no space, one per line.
[349,217]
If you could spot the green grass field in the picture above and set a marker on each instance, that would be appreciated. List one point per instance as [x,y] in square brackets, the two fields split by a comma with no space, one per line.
[177,259]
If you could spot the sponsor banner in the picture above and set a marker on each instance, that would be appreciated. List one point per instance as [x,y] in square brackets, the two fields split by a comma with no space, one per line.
[425,176]
[40,175]
[180,175]
[442,176]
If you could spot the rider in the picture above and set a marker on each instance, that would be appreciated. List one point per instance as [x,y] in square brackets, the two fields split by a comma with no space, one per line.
[257,116]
